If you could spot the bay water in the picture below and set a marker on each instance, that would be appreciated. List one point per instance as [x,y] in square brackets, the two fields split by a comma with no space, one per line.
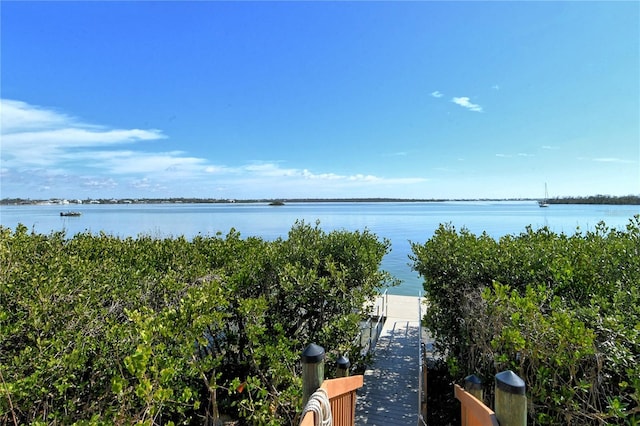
[400,222]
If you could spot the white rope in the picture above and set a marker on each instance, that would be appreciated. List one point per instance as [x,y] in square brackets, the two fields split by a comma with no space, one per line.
[319,404]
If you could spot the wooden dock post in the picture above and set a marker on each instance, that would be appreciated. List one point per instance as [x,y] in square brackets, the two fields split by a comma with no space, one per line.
[473,385]
[343,366]
[312,370]
[511,401]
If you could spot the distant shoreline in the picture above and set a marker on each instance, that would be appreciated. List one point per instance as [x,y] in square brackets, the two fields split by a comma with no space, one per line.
[595,199]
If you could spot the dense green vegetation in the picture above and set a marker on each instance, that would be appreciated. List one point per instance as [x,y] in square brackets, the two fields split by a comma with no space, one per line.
[563,312]
[100,330]
[597,199]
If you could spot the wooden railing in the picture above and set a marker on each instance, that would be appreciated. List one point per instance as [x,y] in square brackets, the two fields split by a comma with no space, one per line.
[473,411]
[422,369]
[510,402]
[371,328]
[342,398]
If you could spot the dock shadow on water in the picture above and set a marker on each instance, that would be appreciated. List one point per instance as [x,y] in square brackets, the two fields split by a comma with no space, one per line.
[390,392]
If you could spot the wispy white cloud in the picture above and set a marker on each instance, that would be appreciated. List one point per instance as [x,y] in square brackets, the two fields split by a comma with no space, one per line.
[220,170]
[495,87]
[32,135]
[550,147]
[46,151]
[518,155]
[77,137]
[613,160]
[465,102]
[138,162]
[18,116]
[437,94]
[271,170]
[103,183]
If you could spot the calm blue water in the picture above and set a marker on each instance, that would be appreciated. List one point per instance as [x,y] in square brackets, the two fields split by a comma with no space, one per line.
[400,222]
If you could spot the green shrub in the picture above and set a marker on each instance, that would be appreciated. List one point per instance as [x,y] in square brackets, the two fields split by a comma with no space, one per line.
[100,330]
[562,311]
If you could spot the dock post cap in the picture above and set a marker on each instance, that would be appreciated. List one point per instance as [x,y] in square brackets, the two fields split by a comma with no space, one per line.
[313,354]
[343,362]
[509,382]
[472,382]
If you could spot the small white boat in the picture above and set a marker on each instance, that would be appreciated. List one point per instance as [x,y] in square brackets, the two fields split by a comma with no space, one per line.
[545,201]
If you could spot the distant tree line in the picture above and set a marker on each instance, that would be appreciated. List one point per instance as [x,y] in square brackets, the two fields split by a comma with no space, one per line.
[28,201]
[592,199]
[597,199]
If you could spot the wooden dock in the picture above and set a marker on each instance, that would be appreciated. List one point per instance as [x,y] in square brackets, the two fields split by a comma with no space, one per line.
[390,393]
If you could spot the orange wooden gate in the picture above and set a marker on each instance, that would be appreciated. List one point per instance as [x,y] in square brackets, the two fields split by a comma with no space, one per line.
[473,411]
[342,397]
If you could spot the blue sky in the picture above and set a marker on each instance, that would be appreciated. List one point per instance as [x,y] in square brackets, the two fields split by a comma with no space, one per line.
[319,99]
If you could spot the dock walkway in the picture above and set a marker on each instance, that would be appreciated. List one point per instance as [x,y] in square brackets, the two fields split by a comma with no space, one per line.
[390,393]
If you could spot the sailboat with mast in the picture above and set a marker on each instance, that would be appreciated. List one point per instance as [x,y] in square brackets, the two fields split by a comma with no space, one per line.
[545,201]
